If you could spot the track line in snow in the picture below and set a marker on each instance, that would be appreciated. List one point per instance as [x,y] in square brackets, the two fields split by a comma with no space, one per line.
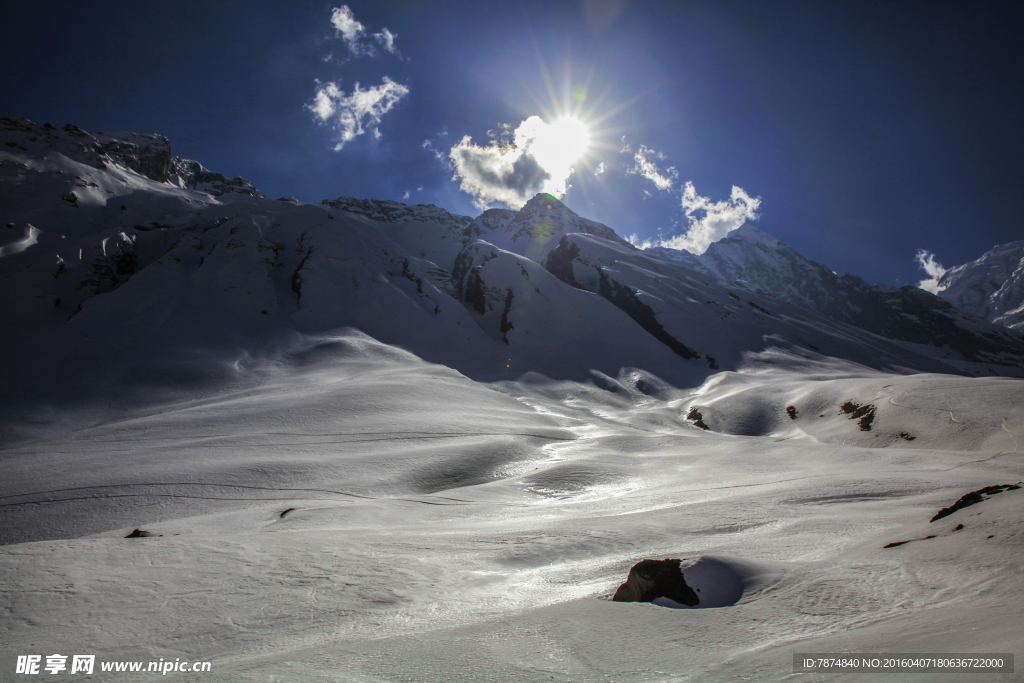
[174,441]
[1003,427]
[185,483]
[110,496]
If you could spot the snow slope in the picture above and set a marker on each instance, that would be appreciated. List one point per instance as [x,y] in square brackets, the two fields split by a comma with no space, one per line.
[444,530]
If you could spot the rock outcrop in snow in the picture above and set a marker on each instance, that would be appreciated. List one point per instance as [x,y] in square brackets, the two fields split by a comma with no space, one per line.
[649,580]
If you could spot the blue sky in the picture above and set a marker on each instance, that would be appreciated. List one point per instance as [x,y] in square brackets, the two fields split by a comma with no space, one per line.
[857,133]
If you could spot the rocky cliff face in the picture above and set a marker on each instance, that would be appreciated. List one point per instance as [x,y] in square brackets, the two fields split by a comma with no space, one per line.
[147,155]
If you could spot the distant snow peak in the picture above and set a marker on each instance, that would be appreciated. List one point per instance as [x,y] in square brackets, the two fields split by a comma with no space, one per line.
[992,287]
[926,260]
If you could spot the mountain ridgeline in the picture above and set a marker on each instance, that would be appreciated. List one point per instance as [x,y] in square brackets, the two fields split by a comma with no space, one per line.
[126,272]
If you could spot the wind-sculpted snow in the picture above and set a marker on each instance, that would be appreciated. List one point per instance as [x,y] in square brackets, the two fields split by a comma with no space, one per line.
[441,529]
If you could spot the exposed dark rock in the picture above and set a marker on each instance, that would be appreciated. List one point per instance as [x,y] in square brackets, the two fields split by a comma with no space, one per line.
[649,580]
[192,174]
[468,260]
[627,300]
[896,544]
[140,533]
[906,437]
[297,277]
[475,294]
[973,498]
[791,411]
[559,261]
[287,511]
[506,324]
[711,362]
[864,414]
[412,277]
[151,158]
[698,419]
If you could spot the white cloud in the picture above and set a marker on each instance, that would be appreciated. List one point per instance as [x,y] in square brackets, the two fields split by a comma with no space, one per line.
[429,146]
[386,39]
[663,180]
[601,168]
[354,34]
[406,195]
[926,260]
[345,22]
[518,164]
[352,114]
[711,221]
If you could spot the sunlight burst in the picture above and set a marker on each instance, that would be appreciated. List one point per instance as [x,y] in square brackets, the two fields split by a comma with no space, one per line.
[561,143]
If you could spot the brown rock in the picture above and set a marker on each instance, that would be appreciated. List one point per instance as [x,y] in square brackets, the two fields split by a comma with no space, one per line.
[649,580]
[142,533]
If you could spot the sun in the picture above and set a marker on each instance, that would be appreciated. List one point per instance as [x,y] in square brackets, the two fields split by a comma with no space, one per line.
[567,140]
[556,145]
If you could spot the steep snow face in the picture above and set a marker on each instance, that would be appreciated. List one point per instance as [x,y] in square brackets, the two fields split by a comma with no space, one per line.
[753,260]
[991,287]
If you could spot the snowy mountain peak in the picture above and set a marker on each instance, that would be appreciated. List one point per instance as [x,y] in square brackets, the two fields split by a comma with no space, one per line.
[148,155]
[748,233]
[542,203]
[991,287]
[537,228]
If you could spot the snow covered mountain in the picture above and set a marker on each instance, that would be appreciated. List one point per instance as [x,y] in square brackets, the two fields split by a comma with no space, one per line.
[754,260]
[127,270]
[992,287]
[433,445]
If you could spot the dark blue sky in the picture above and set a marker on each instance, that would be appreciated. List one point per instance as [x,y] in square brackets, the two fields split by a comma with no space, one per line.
[868,130]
